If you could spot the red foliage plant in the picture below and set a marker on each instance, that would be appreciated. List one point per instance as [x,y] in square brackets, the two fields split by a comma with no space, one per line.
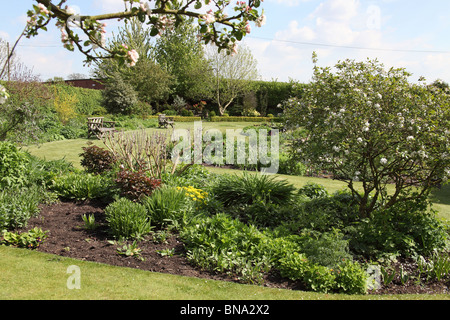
[136,184]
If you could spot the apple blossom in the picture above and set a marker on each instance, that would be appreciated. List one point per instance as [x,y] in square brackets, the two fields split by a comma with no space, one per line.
[133,57]
[209,17]
[261,21]
[248,28]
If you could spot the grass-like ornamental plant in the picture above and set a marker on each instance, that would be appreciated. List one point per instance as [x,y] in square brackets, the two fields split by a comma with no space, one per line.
[165,205]
[251,188]
[127,219]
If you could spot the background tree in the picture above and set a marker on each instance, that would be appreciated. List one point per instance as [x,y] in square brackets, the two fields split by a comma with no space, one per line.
[119,96]
[179,52]
[147,79]
[365,123]
[233,75]
[76,76]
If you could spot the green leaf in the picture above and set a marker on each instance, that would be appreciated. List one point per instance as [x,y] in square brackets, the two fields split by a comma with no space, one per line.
[154,31]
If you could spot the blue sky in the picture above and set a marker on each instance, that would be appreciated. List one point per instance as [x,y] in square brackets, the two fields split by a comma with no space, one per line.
[400,33]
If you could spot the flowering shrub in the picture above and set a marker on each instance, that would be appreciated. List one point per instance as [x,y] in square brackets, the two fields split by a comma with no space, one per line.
[371,125]
[197,195]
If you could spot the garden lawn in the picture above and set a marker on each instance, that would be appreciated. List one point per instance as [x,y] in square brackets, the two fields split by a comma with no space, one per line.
[27,275]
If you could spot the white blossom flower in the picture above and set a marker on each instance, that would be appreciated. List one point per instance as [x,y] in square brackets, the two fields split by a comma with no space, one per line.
[145,6]
[133,56]
[3,94]
[261,21]
[43,9]
[209,17]
[383,160]
[409,138]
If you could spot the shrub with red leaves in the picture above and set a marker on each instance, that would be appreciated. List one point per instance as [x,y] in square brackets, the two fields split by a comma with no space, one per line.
[135,185]
[97,160]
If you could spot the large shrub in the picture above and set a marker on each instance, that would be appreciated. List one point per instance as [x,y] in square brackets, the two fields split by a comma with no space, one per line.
[365,123]
[119,96]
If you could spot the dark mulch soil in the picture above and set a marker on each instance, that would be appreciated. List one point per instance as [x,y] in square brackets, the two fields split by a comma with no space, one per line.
[67,237]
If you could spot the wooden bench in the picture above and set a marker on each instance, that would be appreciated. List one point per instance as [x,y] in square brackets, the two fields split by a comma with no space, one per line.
[164,121]
[98,127]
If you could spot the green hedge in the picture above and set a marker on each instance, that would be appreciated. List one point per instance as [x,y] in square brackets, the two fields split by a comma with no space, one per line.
[243,119]
[89,101]
[179,118]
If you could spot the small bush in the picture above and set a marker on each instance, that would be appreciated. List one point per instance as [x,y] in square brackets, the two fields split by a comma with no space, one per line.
[407,229]
[82,186]
[97,160]
[165,205]
[252,188]
[127,219]
[351,278]
[13,165]
[313,190]
[18,206]
[136,185]
[328,249]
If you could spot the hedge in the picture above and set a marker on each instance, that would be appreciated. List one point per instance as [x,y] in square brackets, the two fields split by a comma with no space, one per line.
[179,118]
[243,119]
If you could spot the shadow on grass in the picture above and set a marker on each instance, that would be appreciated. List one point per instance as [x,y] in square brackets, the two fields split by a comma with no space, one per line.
[441,195]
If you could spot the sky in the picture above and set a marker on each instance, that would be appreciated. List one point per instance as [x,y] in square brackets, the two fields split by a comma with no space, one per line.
[410,34]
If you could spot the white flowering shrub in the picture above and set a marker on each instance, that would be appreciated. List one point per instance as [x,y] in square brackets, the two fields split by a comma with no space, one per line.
[365,123]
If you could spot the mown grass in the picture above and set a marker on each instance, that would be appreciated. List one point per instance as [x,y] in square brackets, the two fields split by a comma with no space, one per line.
[31,275]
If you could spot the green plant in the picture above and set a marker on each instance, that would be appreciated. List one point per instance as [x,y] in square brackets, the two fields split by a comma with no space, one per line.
[127,219]
[250,188]
[437,267]
[313,190]
[17,206]
[13,165]
[166,252]
[131,250]
[165,205]
[406,228]
[89,222]
[351,278]
[224,244]
[328,249]
[82,186]
[31,239]
[388,274]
